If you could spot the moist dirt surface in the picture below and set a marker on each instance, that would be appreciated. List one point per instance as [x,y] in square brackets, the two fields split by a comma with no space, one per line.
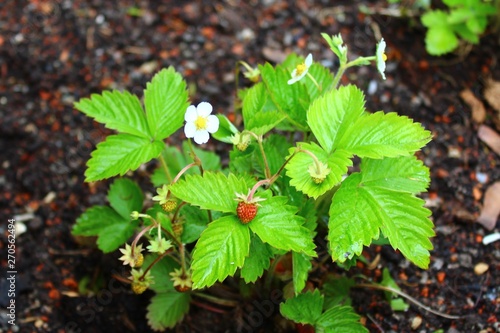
[52,53]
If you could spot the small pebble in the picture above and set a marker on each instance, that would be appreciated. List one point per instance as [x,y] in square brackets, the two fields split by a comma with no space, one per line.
[481,177]
[481,268]
[416,322]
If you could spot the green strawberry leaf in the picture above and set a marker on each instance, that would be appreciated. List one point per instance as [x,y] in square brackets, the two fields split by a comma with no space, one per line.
[440,40]
[166,102]
[331,115]
[111,229]
[340,319]
[384,135]
[125,196]
[301,267]
[289,98]
[397,303]
[221,249]
[196,221]
[160,272]
[258,260]
[119,154]
[260,115]
[226,129]
[167,309]
[323,77]
[298,169]
[435,18]
[337,291]
[304,308]
[360,210]
[213,190]
[277,225]
[120,111]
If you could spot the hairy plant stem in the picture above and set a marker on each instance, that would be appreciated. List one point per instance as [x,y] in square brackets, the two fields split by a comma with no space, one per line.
[157,259]
[406,296]
[314,81]
[345,66]
[267,171]
[216,300]
[165,168]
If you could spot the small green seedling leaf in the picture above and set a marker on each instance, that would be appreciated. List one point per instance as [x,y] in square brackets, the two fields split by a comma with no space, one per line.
[226,129]
[167,309]
[397,303]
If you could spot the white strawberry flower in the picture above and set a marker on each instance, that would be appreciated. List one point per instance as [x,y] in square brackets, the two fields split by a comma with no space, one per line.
[301,70]
[200,122]
[381,57]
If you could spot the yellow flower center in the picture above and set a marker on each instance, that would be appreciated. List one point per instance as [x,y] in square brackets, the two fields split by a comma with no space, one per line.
[200,123]
[300,69]
[384,57]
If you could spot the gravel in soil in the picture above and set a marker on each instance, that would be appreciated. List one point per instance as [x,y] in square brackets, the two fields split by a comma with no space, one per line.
[54,52]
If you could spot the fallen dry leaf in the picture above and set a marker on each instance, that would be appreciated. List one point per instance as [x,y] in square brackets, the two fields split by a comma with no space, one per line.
[492,94]
[490,137]
[274,55]
[491,206]
[477,107]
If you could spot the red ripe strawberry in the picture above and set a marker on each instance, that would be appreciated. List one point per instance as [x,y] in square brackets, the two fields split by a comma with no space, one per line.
[246,211]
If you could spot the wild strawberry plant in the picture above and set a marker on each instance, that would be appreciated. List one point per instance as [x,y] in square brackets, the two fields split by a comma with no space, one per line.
[288,181]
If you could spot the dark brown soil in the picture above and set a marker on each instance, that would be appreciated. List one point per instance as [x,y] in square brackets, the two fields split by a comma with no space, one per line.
[54,52]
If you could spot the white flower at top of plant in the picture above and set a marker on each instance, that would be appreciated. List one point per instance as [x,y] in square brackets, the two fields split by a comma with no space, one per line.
[200,122]
[381,57]
[301,70]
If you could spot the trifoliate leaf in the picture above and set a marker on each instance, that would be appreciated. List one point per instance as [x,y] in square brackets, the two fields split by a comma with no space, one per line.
[125,196]
[167,309]
[304,308]
[298,169]
[221,249]
[340,319]
[160,272]
[260,115]
[277,224]
[213,190]
[440,40]
[112,229]
[258,260]
[331,115]
[166,102]
[120,111]
[301,266]
[360,210]
[119,154]
[291,99]
[384,135]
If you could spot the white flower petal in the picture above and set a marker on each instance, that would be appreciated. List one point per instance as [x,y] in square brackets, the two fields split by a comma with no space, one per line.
[212,124]
[191,113]
[204,109]
[190,129]
[380,57]
[309,60]
[201,137]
